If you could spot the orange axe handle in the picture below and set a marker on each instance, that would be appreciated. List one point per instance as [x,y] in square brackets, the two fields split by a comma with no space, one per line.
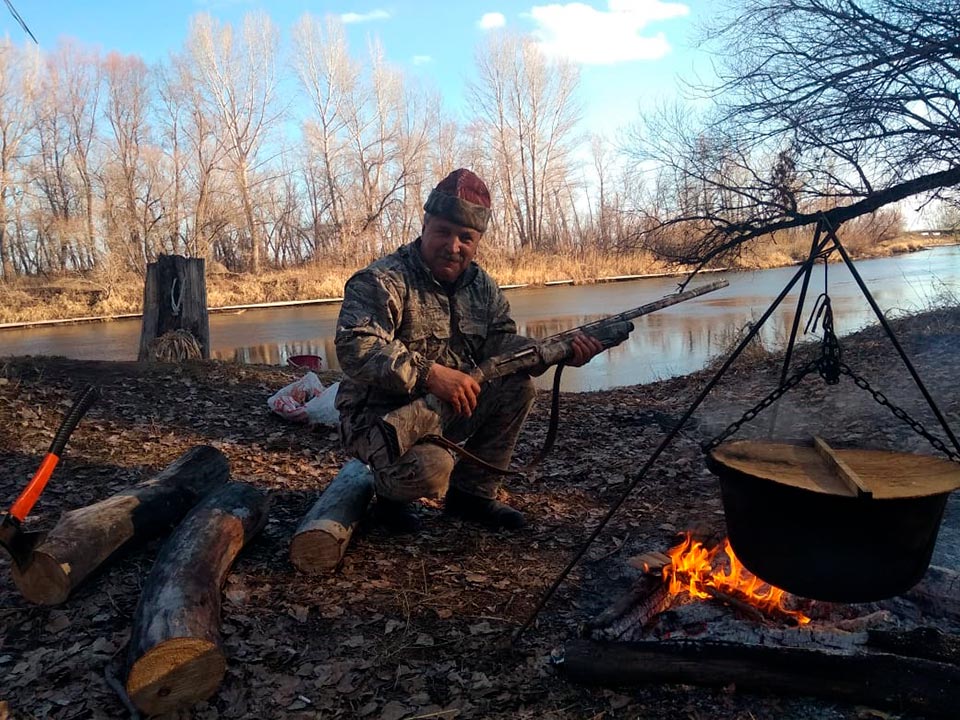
[31,493]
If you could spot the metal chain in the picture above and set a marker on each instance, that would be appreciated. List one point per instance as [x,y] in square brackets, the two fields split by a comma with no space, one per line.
[778,392]
[899,413]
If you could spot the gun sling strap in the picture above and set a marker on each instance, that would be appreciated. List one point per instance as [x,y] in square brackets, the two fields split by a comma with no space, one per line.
[465,454]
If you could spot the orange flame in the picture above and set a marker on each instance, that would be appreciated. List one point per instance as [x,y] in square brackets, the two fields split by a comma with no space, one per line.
[691,571]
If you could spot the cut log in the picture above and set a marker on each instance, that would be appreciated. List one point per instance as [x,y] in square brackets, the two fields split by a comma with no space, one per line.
[323,535]
[85,538]
[881,679]
[175,658]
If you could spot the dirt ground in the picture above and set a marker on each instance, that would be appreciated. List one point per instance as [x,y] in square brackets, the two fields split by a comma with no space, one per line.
[413,627]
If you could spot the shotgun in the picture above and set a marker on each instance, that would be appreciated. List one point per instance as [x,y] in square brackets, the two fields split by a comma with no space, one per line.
[557,349]
[402,427]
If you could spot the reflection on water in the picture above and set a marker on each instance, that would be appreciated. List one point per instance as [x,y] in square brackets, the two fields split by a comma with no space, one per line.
[673,341]
[278,354]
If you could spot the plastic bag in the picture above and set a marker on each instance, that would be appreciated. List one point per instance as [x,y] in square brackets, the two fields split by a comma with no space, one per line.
[307,401]
[321,410]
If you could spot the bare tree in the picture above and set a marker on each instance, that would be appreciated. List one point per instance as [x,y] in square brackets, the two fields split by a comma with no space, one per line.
[328,76]
[196,152]
[238,77]
[18,85]
[527,106]
[822,108]
[79,72]
[129,185]
[370,132]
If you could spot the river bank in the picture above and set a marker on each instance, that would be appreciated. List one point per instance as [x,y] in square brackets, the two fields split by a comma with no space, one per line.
[111,294]
[414,627]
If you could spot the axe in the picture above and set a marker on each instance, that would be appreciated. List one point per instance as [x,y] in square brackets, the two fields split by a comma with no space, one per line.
[12,536]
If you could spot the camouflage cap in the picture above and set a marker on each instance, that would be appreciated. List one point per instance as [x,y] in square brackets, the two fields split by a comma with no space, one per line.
[461,197]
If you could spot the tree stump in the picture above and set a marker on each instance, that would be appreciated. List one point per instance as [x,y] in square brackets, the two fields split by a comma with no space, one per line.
[174,301]
[324,533]
[85,538]
[175,658]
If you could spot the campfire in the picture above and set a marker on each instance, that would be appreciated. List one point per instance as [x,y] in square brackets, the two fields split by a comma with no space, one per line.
[696,615]
[702,573]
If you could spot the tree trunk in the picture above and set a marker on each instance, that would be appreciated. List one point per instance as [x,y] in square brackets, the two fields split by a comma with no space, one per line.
[882,679]
[175,298]
[324,533]
[174,657]
[85,538]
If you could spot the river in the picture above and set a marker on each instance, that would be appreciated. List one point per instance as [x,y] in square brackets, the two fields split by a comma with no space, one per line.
[674,341]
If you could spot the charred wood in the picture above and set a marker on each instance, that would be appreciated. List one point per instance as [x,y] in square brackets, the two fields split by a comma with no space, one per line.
[646,598]
[925,642]
[881,679]
[938,592]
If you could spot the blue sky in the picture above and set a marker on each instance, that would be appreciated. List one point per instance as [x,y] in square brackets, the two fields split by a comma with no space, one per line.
[629,51]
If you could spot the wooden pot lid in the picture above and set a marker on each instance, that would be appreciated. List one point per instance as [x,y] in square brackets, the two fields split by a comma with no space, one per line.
[818,467]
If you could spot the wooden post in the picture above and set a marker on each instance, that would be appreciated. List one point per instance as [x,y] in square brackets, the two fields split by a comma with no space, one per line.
[175,298]
[175,658]
[85,538]
[324,533]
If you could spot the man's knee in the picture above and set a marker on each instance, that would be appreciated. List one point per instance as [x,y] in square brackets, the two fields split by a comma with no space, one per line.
[522,387]
[424,471]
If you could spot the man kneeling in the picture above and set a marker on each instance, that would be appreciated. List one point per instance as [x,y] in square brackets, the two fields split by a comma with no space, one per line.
[412,326]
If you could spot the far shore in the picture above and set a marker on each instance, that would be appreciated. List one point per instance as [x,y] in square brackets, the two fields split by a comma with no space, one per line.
[102,297]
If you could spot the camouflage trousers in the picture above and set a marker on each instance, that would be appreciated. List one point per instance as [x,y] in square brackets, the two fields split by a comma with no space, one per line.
[406,469]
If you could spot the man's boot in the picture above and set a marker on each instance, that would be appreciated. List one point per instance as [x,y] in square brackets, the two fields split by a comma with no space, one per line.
[397,517]
[485,511]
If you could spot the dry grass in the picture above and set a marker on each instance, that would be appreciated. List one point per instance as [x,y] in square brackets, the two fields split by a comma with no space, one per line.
[535,268]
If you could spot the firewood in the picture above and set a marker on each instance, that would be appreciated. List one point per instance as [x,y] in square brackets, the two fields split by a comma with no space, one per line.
[324,533]
[923,642]
[85,538]
[880,679]
[175,658]
[646,598]
[938,592]
[650,562]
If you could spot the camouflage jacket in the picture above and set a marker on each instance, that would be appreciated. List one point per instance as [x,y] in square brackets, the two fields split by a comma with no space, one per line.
[396,320]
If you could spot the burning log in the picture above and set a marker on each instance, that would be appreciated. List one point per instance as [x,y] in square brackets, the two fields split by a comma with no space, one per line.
[879,679]
[324,533]
[84,538]
[645,599]
[175,658]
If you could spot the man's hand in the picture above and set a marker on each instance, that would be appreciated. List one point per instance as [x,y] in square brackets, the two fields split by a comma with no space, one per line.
[585,348]
[454,387]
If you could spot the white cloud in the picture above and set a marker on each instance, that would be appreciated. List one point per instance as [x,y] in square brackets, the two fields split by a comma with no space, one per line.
[491,20]
[350,17]
[590,36]
[422,59]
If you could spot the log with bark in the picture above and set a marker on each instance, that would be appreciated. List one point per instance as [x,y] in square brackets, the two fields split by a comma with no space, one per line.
[879,679]
[85,538]
[324,533]
[175,657]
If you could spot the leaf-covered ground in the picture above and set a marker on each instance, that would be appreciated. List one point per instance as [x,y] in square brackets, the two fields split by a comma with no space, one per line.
[413,627]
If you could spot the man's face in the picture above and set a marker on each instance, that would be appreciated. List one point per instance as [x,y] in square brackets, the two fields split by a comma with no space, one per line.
[447,248]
